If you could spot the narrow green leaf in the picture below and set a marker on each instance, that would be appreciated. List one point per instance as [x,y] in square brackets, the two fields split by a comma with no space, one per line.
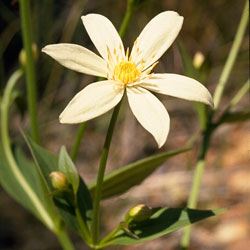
[67,167]
[85,202]
[163,221]
[32,176]
[45,160]
[237,116]
[122,179]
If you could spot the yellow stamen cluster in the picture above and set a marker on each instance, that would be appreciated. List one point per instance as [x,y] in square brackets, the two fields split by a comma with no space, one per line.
[126,72]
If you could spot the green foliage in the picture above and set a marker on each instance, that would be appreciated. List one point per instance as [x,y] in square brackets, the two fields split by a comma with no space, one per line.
[67,167]
[32,177]
[122,179]
[236,116]
[67,201]
[163,221]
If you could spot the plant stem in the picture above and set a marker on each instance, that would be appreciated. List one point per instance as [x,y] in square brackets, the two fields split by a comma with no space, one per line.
[29,67]
[97,198]
[243,90]
[102,166]
[193,198]
[45,217]
[194,193]
[104,241]
[231,57]
[80,133]
[64,240]
[127,17]
[83,226]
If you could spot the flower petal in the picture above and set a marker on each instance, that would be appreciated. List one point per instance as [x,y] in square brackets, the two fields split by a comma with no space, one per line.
[77,58]
[104,35]
[150,113]
[94,100]
[156,37]
[178,86]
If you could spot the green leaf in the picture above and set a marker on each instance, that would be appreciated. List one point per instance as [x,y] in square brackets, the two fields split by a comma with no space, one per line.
[163,221]
[67,208]
[33,178]
[237,116]
[45,160]
[122,179]
[67,167]
[85,202]
[47,163]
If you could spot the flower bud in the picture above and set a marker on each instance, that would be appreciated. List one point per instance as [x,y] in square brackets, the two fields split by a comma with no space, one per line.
[139,213]
[59,180]
[22,55]
[198,59]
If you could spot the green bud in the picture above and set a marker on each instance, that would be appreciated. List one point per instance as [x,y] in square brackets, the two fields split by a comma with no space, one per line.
[138,213]
[22,55]
[59,180]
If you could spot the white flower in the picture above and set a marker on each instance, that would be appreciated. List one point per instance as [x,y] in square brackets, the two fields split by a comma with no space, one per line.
[127,72]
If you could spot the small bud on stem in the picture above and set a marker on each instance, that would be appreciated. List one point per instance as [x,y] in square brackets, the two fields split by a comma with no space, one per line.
[138,213]
[59,180]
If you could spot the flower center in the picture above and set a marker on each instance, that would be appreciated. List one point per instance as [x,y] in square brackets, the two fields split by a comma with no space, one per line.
[126,72]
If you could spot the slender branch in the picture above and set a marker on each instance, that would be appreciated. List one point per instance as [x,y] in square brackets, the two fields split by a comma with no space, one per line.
[97,198]
[231,57]
[29,67]
[64,240]
[99,183]
[127,18]
[80,133]
[194,194]
[243,90]
[109,237]
[83,226]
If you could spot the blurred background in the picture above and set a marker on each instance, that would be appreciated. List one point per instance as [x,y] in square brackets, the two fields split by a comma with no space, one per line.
[209,27]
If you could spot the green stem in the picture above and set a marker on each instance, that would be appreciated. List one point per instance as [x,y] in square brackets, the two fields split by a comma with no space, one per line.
[83,226]
[45,217]
[29,66]
[122,30]
[64,240]
[243,90]
[104,241]
[102,166]
[80,133]
[127,18]
[231,57]
[194,193]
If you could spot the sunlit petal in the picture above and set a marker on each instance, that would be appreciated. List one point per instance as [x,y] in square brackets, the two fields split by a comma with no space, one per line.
[150,113]
[94,100]
[178,86]
[77,58]
[157,37]
[104,35]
